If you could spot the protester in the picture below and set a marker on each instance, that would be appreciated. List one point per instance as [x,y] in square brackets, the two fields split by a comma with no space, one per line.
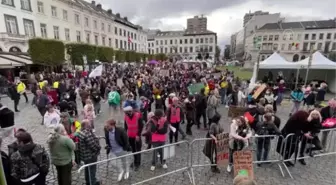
[89,149]
[190,113]
[52,117]
[201,106]
[212,104]
[174,117]
[61,149]
[117,144]
[13,147]
[297,97]
[133,126]
[6,165]
[41,102]
[328,113]
[30,164]
[243,180]
[14,95]
[147,131]
[6,123]
[21,89]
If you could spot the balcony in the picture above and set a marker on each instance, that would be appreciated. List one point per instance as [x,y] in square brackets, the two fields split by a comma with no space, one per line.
[13,37]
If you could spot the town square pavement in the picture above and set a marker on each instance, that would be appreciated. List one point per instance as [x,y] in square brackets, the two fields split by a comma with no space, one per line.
[318,171]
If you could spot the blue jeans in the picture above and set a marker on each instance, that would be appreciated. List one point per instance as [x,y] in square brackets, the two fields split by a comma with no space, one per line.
[280,98]
[222,93]
[90,172]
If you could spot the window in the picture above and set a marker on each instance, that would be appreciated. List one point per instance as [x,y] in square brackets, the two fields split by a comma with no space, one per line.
[8,2]
[312,45]
[321,36]
[109,28]
[210,49]
[175,41]
[181,41]
[40,7]
[191,41]
[121,44]
[96,39]
[56,32]
[120,31]
[333,46]
[334,36]
[77,19]
[313,36]
[116,43]
[282,46]
[135,36]
[124,33]
[95,24]
[180,49]
[185,49]
[328,35]
[67,34]
[157,50]
[211,40]
[276,37]
[306,37]
[290,46]
[270,38]
[86,22]
[191,49]
[185,41]
[305,46]
[65,15]
[25,5]
[115,30]
[275,47]
[165,42]
[201,40]
[284,37]
[319,46]
[29,27]
[264,37]
[54,12]
[88,36]
[161,42]
[298,37]
[11,25]
[43,30]
[171,41]
[78,36]
[166,50]
[103,40]
[102,26]
[131,35]
[197,41]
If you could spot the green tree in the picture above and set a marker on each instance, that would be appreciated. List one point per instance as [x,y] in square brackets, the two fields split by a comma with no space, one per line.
[105,54]
[217,53]
[46,52]
[77,51]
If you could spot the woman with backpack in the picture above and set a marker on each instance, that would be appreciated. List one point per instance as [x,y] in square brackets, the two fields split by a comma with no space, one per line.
[265,128]
[240,133]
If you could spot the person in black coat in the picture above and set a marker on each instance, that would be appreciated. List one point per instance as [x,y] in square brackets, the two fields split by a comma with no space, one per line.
[14,95]
[328,112]
[6,166]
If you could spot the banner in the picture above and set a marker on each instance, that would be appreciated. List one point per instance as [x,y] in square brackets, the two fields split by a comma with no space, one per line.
[97,71]
[222,147]
[195,88]
[242,163]
[259,91]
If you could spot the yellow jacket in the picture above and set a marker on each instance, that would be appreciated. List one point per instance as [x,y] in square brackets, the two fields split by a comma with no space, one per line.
[41,84]
[21,87]
[206,90]
[55,85]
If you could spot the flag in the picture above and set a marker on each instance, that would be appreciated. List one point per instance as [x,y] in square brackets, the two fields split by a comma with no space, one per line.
[96,72]
[129,39]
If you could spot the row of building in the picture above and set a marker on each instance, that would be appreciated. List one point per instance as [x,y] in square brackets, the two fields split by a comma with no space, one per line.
[87,22]
[264,33]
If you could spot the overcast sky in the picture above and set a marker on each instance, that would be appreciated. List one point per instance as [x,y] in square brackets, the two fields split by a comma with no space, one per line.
[225,17]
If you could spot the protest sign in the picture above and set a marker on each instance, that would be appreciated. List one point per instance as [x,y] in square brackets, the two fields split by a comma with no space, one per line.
[164,72]
[235,111]
[259,91]
[222,148]
[195,88]
[243,165]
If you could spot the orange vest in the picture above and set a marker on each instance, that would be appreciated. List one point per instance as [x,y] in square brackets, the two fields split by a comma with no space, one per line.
[132,124]
[156,137]
[175,114]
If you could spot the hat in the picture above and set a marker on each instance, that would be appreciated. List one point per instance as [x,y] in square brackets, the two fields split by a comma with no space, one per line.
[172,95]
[128,108]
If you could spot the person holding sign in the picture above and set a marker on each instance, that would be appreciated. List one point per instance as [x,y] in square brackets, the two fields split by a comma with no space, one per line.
[240,133]
[210,145]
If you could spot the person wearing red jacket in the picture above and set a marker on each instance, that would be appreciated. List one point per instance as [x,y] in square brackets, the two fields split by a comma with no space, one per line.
[174,117]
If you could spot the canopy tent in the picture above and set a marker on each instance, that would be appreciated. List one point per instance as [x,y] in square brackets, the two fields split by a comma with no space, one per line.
[275,61]
[319,61]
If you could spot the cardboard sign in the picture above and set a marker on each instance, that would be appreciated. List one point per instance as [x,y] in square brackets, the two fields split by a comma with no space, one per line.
[235,111]
[222,149]
[242,161]
[164,72]
[259,91]
[195,88]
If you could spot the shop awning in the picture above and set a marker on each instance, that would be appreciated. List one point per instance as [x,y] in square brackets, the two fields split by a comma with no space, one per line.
[7,64]
[25,60]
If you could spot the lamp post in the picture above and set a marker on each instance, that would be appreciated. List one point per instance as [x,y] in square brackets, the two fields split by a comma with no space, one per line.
[309,63]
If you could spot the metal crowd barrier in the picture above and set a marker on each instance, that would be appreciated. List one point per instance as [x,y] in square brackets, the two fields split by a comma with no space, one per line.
[294,147]
[176,164]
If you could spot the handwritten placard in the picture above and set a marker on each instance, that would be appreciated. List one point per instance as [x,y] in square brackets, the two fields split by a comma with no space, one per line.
[243,165]
[235,111]
[222,148]
[259,91]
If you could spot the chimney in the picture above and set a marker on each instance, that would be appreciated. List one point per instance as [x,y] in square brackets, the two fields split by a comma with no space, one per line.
[109,11]
[93,3]
[99,6]
[118,15]
[125,18]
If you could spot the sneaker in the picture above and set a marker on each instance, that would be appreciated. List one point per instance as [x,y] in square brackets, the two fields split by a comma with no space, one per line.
[152,168]
[126,175]
[164,166]
[229,168]
[120,176]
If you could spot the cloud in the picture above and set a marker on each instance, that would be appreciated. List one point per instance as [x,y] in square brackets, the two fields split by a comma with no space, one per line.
[224,16]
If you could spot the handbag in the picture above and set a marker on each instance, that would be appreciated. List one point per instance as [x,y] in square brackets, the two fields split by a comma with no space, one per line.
[329,123]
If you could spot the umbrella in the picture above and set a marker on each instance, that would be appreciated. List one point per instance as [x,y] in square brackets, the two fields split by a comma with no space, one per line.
[153,62]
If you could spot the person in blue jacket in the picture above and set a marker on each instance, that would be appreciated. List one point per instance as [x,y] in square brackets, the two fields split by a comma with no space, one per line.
[297,97]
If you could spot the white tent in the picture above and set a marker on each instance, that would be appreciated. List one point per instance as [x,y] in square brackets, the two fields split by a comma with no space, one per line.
[275,61]
[319,61]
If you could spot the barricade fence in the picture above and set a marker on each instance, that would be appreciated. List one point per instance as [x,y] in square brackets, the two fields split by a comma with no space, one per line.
[184,158]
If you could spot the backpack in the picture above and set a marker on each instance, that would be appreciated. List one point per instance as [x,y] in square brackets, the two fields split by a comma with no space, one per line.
[114,98]
[263,130]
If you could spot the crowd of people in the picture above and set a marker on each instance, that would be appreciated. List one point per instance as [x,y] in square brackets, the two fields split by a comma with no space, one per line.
[155,107]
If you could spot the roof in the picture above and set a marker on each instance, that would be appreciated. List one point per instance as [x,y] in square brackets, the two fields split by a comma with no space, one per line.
[183,33]
[322,24]
[105,13]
